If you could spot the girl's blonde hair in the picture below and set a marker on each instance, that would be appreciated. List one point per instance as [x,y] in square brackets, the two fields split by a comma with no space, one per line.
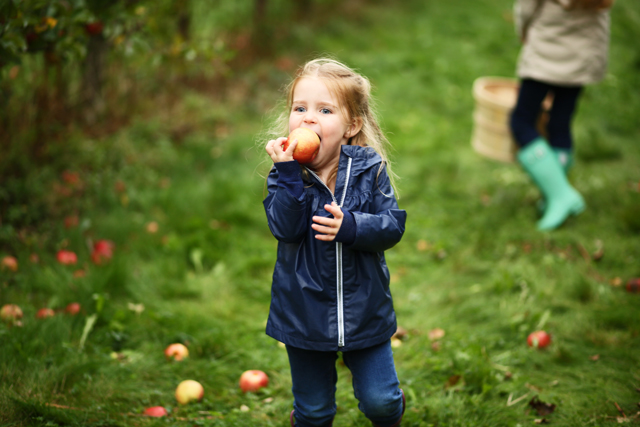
[353,93]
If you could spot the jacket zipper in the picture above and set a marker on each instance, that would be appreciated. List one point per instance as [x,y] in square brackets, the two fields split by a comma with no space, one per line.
[339,283]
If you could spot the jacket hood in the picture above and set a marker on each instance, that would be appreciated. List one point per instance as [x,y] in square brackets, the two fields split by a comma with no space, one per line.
[362,158]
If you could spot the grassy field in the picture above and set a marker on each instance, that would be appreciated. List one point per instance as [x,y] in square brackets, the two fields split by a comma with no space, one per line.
[471,262]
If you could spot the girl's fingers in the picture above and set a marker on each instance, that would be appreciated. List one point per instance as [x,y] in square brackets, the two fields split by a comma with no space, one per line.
[334,210]
[291,147]
[325,237]
[324,230]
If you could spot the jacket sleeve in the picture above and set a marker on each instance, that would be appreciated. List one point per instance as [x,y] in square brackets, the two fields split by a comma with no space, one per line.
[382,229]
[287,215]
[524,12]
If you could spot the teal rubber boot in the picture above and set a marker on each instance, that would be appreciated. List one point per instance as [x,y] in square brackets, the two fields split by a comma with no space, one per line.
[565,157]
[542,165]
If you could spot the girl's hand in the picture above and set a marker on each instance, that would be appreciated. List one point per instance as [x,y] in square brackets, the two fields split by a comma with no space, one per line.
[328,226]
[278,155]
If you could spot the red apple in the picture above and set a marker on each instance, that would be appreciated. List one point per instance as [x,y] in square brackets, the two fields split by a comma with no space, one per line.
[633,285]
[102,251]
[155,411]
[10,313]
[253,380]
[72,308]
[539,339]
[44,313]
[176,352]
[67,257]
[189,391]
[94,28]
[308,145]
[10,263]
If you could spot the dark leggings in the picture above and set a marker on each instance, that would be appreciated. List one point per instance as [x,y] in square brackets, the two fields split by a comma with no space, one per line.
[525,115]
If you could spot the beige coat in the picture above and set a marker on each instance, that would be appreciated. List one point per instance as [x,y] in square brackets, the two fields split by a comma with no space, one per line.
[561,47]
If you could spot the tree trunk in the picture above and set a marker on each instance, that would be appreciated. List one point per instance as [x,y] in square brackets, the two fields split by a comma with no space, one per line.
[92,100]
[261,39]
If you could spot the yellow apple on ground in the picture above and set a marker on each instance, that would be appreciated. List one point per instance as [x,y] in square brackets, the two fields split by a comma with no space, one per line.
[188,391]
[155,411]
[176,352]
[10,313]
[253,380]
[308,145]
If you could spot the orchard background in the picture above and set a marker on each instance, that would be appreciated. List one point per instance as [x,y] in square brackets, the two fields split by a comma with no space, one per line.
[131,181]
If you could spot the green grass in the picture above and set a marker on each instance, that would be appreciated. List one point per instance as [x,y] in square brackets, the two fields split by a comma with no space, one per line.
[471,261]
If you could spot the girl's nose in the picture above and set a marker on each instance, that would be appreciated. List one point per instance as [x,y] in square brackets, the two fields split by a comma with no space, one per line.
[310,117]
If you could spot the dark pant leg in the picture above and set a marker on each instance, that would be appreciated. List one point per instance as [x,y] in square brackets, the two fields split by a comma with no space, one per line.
[524,116]
[314,377]
[565,99]
[375,383]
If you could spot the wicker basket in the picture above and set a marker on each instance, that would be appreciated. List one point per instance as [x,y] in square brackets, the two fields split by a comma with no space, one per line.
[495,98]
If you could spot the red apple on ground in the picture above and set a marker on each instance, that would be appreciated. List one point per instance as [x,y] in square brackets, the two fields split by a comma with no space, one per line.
[253,380]
[539,339]
[176,352]
[72,308]
[155,411]
[10,263]
[633,285]
[10,313]
[44,313]
[67,257]
[189,391]
[102,251]
[308,145]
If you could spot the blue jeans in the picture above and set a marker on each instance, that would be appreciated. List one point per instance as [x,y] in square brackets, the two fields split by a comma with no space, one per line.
[525,114]
[375,385]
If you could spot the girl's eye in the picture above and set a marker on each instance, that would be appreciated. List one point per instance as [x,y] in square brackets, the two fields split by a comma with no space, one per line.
[299,109]
[325,111]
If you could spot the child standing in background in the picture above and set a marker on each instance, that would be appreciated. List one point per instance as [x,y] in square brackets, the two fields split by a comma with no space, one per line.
[565,46]
[333,219]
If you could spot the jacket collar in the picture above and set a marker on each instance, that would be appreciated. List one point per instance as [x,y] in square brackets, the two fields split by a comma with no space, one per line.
[363,158]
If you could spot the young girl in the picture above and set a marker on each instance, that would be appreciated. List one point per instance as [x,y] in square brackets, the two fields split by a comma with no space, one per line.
[333,219]
[565,46]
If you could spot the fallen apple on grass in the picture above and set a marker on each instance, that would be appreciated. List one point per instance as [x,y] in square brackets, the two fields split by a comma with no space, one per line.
[43,313]
[72,308]
[308,145]
[66,257]
[155,411]
[189,391]
[10,263]
[10,313]
[253,380]
[102,251]
[539,339]
[176,352]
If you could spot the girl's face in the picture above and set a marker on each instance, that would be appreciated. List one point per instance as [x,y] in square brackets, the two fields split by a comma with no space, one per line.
[315,107]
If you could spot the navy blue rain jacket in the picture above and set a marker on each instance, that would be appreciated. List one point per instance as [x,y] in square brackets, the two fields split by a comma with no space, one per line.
[330,296]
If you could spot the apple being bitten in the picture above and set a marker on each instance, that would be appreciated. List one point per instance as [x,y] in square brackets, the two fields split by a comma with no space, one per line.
[176,352]
[308,145]
[253,380]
